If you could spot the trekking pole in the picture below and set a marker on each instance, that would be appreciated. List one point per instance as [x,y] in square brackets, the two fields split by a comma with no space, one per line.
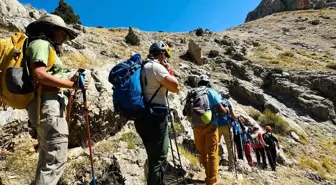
[233,150]
[176,145]
[86,116]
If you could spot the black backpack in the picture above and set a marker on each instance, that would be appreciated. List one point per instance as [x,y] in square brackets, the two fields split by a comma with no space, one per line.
[269,139]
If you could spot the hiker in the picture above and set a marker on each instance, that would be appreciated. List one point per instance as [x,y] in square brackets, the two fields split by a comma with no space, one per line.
[247,146]
[258,144]
[201,103]
[45,37]
[271,144]
[237,127]
[157,77]
[224,130]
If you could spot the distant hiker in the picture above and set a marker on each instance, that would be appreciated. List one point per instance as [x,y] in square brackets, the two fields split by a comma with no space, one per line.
[199,108]
[46,35]
[224,130]
[247,145]
[157,77]
[258,143]
[237,127]
[271,145]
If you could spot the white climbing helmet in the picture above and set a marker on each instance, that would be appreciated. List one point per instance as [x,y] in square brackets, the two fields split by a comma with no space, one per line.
[204,78]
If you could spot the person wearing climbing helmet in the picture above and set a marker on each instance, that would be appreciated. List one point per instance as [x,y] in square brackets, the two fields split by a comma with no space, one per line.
[47,110]
[206,128]
[271,146]
[157,78]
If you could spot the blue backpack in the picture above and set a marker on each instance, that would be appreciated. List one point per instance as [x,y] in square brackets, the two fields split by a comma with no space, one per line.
[223,120]
[236,127]
[127,88]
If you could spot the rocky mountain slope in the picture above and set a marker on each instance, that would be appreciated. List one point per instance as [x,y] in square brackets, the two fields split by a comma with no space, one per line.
[278,70]
[268,7]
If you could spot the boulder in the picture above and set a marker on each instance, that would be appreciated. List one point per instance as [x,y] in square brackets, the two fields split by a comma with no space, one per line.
[195,52]
[104,121]
[225,41]
[306,99]
[213,53]
[283,160]
[246,93]
[294,136]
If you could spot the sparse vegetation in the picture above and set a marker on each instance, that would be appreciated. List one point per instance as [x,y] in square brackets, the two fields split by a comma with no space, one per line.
[331,65]
[112,29]
[287,54]
[325,167]
[130,139]
[190,156]
[100,26]
[303,137]
[278,124]
[132,38]
[254,114]
[199,32]
[22,162]
[76,60]
[67,13]
[106,146]
[278,47]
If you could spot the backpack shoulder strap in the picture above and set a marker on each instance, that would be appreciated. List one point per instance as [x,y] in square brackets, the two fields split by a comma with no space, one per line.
[51,58]
[145,79]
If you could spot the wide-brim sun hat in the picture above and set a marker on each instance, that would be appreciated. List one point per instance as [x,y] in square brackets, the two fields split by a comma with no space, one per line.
[57,21]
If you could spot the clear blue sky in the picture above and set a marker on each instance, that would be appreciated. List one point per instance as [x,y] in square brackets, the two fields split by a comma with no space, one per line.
[156,15]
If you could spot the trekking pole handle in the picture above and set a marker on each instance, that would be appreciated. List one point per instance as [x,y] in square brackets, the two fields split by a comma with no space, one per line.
[81,81]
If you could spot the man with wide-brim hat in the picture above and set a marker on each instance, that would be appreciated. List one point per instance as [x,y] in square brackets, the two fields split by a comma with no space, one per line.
[47,111]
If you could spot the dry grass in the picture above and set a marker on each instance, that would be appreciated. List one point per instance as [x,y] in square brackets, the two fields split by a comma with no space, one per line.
[303,137]
[286,54]
[190,156]
[287,59]
[76,60]
[325,167]
[106,146]
[331,65]
[22,163]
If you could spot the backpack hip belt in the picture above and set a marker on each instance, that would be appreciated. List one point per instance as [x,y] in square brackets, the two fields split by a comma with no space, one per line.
[49,90]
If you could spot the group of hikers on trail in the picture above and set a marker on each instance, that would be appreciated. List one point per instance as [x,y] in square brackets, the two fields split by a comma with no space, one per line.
[33,78]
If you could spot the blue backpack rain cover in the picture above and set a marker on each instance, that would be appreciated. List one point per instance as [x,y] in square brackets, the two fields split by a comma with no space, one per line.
[127,91]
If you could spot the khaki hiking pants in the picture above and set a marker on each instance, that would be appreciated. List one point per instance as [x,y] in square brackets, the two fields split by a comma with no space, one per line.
[206,141]
[52,135]
[225,132]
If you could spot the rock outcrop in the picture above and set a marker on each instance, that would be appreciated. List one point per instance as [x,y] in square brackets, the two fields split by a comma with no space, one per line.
[268,7]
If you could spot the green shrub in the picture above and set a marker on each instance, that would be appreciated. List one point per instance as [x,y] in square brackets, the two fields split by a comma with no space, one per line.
[132,38]
[67,13]
[199,32]
[130,139]
[112,30]
[254,114]
[100,27]
[278,124]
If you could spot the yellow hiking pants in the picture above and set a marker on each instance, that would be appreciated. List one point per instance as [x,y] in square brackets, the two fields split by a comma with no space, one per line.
[206,141]
[224,131]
